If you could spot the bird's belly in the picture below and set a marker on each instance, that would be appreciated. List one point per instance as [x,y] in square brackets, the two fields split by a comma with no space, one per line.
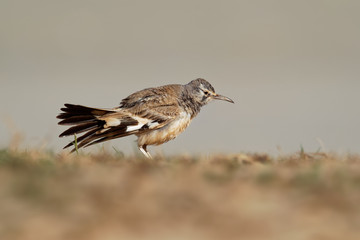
[166,133]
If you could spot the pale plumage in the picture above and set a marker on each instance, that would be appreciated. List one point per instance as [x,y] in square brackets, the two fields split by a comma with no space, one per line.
[155,115]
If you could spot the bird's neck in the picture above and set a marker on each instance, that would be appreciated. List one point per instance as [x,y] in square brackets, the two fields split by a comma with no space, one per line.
[189,104]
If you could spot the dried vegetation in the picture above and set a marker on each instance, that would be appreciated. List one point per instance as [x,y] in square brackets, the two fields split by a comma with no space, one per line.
[44,195]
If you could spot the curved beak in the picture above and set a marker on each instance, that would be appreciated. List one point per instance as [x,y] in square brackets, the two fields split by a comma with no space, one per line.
[221,97]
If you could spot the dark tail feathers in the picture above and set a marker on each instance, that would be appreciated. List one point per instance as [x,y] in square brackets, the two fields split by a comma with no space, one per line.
[84,119]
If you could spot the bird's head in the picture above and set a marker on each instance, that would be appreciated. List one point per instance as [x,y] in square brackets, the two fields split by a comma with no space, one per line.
[203,92]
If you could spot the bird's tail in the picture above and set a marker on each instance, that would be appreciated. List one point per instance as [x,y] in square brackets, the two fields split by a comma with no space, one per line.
[88,121]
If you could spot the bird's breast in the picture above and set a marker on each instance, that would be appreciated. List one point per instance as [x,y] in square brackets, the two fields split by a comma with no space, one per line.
[166,133]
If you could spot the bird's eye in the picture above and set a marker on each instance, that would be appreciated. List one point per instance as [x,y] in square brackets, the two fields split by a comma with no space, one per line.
[206,92]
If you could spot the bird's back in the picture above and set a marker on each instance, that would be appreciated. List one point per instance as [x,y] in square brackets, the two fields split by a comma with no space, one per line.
[152,97]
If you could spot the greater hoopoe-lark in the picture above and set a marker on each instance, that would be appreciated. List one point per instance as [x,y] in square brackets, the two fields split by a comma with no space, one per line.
[154,115]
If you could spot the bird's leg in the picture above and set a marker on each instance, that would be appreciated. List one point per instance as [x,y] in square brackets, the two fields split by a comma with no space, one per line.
[145,152]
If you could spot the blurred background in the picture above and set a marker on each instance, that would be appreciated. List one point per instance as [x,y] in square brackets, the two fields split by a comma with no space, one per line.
[292,68]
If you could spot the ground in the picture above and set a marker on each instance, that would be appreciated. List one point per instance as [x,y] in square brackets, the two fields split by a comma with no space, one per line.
[46,195]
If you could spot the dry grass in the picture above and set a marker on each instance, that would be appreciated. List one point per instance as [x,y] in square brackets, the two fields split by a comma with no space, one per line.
[246,196]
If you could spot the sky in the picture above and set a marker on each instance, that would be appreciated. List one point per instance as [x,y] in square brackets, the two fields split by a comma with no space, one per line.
[292,68]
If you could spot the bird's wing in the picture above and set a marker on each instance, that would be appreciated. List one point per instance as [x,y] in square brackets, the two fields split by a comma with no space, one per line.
[153,108]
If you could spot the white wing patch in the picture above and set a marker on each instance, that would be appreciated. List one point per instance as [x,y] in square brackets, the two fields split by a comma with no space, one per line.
[141,123]
[133,128]
[113,122]
[152,125]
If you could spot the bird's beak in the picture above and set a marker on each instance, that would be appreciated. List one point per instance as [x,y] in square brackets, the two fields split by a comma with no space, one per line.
[221,97]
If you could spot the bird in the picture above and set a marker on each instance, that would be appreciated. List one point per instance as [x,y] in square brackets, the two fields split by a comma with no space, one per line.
[155,115]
